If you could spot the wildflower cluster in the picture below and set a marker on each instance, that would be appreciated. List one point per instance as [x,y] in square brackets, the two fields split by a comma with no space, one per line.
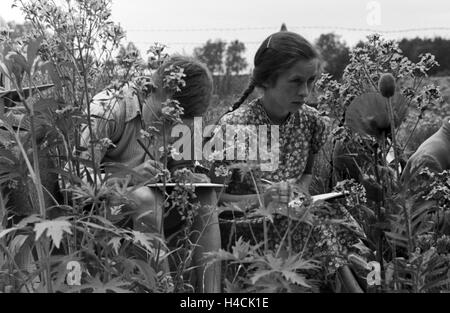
[356,193]
[439,187]
[367,63]
[157,55]
[173,78]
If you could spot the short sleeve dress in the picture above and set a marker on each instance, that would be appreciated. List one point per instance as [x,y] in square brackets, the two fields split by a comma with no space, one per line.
[302,134]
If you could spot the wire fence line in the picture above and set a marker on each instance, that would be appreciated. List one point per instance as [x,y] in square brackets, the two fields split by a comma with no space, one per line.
[445,30]
[191,43]
[352,29]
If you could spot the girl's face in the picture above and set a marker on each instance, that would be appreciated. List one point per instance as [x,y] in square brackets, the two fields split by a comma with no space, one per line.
[291,89]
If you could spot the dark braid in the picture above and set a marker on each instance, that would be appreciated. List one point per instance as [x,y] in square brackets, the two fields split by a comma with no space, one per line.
[247,92]
[250,88]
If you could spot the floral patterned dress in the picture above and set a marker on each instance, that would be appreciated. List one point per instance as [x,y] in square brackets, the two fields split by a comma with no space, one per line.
[332,231]
[302,133]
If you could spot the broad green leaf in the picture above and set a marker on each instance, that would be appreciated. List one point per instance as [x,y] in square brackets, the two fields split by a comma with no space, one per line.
[295,278]
[260,274]
[274,263]
[145,240]
[55,230]
[243,249]
[295,262]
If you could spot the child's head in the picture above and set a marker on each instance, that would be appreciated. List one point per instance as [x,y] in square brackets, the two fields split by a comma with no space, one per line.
[276,55]
[196,95]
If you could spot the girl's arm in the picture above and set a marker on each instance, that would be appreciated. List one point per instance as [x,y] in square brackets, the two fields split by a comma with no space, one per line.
[306,179]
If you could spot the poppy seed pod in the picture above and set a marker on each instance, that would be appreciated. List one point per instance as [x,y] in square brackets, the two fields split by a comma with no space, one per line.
[386,85]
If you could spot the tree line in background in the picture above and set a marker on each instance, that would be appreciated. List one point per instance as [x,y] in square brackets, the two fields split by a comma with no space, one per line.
[227,59]
[224,60]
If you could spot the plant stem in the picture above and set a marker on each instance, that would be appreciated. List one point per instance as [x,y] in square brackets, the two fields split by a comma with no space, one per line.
[394,144]
[41,200]
[405,209]
[262,204]
[35,176]
[38,182]
[87,99]
[408,228]
[380,181]
[161,226]
[412,132]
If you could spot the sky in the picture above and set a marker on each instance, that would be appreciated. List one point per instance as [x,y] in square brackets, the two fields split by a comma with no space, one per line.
[185,24]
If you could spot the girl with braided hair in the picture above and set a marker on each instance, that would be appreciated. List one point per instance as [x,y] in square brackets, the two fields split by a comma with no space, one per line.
[286,66]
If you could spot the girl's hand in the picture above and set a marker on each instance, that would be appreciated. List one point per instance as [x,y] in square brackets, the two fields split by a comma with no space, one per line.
[189,177]
[277,192]
[283,192]
[149,168]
